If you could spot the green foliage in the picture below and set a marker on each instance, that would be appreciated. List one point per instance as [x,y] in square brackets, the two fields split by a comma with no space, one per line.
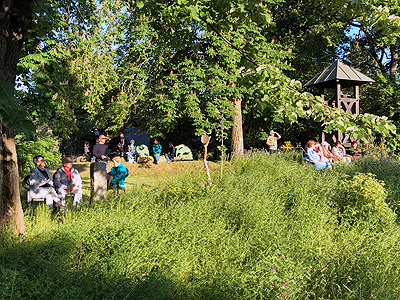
[73,68]
[154,63]
[268,228]
[10,110]
[362,200]
[27,149]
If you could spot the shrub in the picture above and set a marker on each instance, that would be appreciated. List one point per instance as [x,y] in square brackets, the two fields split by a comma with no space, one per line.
[27,149]
[362,199]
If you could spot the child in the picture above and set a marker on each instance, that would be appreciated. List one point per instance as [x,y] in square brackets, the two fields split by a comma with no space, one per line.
[117,175]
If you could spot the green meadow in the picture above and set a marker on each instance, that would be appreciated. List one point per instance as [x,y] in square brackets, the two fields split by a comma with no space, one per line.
[270,228]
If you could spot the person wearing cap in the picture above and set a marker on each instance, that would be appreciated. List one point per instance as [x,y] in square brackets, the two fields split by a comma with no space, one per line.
[41,185]
[100,150]
[68,181]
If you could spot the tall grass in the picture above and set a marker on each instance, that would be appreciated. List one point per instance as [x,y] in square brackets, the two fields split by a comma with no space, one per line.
[272,228]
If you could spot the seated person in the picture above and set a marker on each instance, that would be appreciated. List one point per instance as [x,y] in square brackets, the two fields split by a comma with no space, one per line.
[117,174]
[171,151]
[326,152]
[339,151]
[354,151]
[314,152]
[318,148]
[41,185]
[68,181]
[365,148]
[132,154]
[86,149]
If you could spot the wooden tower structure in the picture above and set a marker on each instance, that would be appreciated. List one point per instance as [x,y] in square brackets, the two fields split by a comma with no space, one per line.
[344,80]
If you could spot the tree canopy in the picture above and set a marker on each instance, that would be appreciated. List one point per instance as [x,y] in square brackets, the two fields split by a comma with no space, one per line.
[152,63]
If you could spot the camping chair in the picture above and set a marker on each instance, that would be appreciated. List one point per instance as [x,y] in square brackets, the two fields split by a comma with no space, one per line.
[306,158]
[70,194]
[116,187]
[26,185]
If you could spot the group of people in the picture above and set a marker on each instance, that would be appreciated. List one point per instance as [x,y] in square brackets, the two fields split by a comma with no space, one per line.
[67,180]
[124,149]
[323,155]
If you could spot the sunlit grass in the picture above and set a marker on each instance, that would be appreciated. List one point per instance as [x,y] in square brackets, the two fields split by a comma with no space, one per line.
[269,229]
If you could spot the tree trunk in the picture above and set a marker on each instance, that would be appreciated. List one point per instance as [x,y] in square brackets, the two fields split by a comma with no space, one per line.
[11,204]
[237,129]
[15,18]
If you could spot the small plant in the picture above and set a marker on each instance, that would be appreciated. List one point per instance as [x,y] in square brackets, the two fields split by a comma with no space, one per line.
[287,146]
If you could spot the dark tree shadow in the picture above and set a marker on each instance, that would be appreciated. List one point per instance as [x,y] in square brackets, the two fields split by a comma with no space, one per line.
[53,269]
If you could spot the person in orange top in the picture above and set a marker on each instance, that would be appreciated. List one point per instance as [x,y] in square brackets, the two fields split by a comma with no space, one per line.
[326,152]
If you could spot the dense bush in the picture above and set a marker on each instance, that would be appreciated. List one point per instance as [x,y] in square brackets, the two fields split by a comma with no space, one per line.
[270,229]
[362,200]
[27,149]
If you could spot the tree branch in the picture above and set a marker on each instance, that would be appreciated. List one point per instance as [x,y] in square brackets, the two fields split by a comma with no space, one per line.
[229,42]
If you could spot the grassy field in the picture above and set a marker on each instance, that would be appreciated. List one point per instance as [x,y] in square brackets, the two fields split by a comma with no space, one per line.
[271,228]
[148,176]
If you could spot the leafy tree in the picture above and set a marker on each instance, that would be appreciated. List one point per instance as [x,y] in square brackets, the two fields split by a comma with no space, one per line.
[153,63]
[27,149]
[72,69]
[15,19]
[374,49]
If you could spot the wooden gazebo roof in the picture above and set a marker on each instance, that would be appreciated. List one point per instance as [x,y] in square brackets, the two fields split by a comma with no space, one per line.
[338,72]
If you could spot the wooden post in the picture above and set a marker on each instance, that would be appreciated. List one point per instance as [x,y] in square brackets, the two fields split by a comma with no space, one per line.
[357,96]
[205,139]
[339,105]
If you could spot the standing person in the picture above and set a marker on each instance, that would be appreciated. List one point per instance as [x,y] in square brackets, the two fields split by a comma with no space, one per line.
[100,150]
[94,158]
[132,152]
[67,180]
[272,141]
[41,185]
[118,174]
[122,146]
[171,151]
[157,148]
[86,149]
